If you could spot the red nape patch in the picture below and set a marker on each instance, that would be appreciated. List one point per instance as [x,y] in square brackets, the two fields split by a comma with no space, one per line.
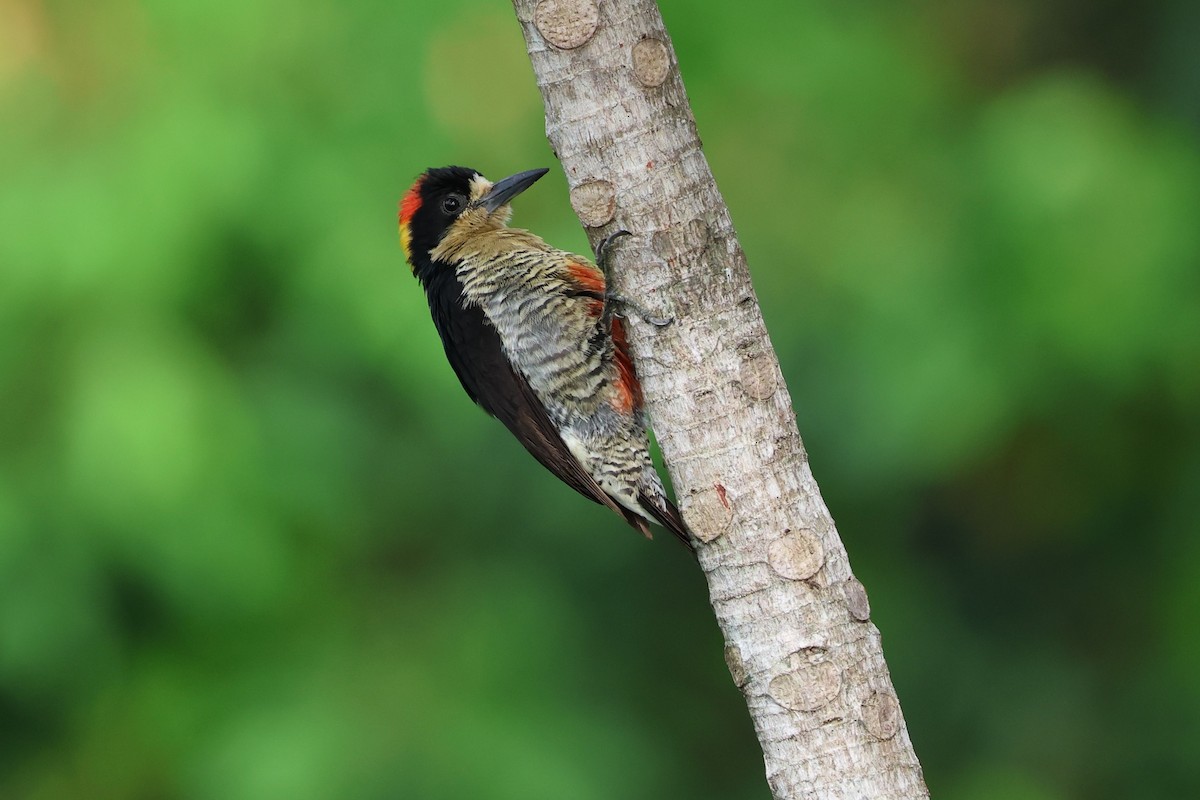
[629,389]
[411,202]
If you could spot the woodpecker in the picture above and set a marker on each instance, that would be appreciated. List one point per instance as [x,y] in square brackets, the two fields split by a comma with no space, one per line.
[536,339]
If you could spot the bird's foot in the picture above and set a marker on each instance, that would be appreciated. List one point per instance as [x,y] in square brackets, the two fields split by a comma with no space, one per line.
[611,298]
[603,248]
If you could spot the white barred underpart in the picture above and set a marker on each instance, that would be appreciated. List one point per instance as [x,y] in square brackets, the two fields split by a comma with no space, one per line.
[548,331]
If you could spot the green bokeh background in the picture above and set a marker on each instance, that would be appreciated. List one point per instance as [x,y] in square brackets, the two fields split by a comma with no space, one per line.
[256,544]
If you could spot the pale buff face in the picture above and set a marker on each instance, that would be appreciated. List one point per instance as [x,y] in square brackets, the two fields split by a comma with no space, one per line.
[479,187]
[469,232]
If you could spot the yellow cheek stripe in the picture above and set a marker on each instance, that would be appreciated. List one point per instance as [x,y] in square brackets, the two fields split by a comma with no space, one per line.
[406,243]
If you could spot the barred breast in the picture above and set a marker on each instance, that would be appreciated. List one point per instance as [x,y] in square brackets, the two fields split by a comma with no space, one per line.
[547,328]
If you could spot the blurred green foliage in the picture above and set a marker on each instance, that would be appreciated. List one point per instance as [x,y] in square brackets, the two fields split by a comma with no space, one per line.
[255,543]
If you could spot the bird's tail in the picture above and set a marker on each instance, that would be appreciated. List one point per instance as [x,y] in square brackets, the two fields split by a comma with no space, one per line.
[667,515]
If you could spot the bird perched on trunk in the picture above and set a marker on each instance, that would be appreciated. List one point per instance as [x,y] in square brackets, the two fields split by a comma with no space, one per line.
[535,337]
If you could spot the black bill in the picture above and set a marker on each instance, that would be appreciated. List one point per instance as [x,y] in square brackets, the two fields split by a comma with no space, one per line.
[510,187]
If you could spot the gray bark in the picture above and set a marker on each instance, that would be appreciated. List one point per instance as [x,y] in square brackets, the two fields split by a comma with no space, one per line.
[799,642]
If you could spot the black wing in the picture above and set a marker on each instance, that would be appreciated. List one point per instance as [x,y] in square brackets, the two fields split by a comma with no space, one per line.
[473,349]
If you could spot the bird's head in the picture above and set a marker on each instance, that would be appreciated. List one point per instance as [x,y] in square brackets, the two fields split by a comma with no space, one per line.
[458,201]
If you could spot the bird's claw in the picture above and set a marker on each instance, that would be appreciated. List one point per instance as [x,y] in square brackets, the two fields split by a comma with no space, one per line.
[612,299]
[605,244]
[647,317]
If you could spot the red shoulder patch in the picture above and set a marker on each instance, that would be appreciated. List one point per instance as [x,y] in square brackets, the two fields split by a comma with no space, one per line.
[588,277]
[629,388]
[590,280]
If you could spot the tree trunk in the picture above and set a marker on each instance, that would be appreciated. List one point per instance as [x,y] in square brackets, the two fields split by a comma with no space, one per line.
[799,642]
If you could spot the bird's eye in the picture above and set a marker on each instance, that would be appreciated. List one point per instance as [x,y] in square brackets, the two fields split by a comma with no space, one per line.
[452,204]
